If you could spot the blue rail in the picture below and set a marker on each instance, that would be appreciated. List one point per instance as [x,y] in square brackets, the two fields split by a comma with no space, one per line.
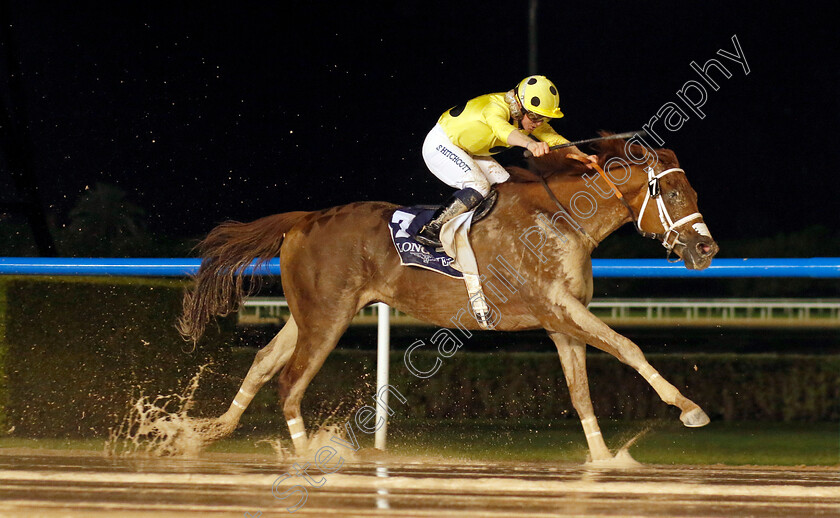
[110,266]
[815,267]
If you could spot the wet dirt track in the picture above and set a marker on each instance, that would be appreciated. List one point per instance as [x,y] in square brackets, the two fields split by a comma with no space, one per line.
[38,483]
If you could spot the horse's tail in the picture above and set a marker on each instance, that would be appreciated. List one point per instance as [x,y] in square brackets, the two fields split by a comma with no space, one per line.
[226,252]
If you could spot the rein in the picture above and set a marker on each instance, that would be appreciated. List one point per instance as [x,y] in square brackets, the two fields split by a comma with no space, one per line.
[551,195]
[654,192]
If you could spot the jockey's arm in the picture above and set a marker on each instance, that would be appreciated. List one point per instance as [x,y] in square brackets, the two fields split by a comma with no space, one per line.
[546,133]
[540,148]
[536,147]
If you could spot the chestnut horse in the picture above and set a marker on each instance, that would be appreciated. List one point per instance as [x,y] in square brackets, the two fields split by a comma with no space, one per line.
[336,261]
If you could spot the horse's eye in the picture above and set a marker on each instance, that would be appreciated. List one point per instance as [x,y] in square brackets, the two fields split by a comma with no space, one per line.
[674,195]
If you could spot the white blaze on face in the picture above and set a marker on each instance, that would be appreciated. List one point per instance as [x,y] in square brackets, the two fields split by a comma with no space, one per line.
[701,229]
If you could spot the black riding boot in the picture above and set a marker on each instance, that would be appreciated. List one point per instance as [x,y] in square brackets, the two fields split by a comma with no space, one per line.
[460,202]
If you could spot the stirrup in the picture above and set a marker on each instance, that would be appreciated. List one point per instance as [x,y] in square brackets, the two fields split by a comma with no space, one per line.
[478,302]
[425,241]
[483,318]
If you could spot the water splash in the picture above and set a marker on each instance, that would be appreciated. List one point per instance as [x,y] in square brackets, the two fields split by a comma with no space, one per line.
[160,426]
[323,437]
[622,458]
[279,446]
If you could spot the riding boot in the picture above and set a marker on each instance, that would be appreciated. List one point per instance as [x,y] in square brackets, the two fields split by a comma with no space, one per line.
[460,202]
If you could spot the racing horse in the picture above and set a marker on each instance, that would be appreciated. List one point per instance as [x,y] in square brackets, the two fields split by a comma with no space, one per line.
[338,260]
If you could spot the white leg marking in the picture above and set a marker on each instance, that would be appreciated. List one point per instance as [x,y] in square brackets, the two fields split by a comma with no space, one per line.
[649,373]
[296,428]
[242,399]
[590,427]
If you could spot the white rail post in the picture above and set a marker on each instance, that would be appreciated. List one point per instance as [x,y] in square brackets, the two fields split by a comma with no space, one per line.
[383,346]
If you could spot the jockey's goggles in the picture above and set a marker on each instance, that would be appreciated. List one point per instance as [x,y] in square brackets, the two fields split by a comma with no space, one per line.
[536,118]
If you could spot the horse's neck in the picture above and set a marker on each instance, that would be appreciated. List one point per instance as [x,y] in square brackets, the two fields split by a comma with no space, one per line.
[576,197]
[615,213]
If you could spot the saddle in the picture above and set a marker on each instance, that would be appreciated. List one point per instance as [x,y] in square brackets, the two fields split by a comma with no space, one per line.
[459,263]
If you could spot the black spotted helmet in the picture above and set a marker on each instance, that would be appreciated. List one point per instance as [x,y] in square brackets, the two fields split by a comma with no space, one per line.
[539,95]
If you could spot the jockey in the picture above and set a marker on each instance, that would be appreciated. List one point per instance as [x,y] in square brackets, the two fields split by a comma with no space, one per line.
[459,149]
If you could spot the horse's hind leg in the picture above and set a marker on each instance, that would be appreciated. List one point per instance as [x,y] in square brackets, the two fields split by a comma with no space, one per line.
[267,362]
[573,357]
[590,329]
[317,337]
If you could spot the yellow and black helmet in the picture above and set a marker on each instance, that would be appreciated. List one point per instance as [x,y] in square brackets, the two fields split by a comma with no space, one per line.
[539,95]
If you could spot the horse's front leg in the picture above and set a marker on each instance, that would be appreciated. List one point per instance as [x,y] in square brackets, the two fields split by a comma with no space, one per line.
[576,320]
[573,357]
[268,361]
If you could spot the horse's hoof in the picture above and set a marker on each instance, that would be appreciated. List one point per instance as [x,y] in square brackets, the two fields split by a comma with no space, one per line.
[694,418]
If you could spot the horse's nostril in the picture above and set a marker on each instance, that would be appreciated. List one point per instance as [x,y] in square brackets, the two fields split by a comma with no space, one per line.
[704,248]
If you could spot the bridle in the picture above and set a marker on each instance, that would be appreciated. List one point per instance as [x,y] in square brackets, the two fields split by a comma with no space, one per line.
[671,237]
[668,223]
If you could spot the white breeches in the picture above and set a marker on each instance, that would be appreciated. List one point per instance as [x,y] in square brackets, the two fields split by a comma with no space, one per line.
[457,168]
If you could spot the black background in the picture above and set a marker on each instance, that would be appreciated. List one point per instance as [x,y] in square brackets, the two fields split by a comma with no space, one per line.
[206,111]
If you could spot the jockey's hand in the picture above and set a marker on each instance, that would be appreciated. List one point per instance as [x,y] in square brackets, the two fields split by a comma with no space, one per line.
[538,148]
[586,160]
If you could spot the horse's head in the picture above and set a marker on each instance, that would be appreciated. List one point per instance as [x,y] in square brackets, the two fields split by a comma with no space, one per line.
[663,203]
[649,183]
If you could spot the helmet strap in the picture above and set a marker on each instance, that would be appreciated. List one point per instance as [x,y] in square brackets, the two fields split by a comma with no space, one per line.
[516,109]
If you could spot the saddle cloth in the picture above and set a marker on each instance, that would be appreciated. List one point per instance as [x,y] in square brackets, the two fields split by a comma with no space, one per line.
[404,224]
[457,257]
[458,261]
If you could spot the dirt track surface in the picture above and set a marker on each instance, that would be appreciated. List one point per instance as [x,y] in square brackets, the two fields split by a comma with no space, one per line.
[75,484]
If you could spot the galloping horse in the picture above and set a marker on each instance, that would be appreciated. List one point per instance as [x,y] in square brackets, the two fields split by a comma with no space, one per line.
[336,261]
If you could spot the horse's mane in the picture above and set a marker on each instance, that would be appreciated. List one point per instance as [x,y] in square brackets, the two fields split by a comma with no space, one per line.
[546,166]
[615,148]
[557,163]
